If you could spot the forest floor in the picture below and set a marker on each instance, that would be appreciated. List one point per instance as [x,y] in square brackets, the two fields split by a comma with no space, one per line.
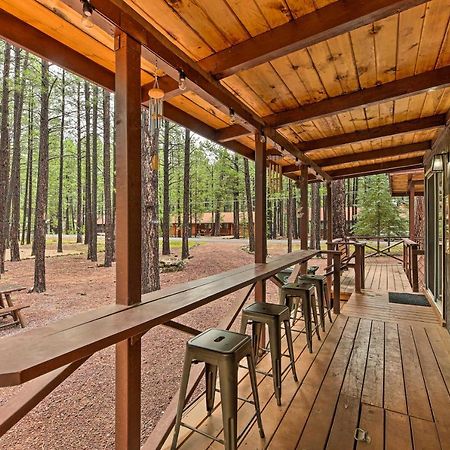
[79,414]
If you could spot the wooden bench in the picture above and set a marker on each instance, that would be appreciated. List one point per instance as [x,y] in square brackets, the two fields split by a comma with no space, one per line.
[7,306]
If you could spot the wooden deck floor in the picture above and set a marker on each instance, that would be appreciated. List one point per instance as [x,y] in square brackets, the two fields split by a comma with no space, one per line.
[383,274]
[373,370]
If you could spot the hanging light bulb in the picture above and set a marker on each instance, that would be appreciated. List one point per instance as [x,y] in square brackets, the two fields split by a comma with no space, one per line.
[182,80]
[232,116]
[88,10]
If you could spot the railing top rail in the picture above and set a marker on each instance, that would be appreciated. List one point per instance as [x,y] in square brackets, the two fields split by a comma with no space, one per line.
[29,355]
[408,241]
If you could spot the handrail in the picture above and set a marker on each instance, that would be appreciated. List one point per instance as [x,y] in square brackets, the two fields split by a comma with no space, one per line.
[411,262]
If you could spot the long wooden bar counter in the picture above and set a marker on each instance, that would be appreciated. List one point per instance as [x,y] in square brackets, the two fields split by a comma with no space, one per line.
[31,354]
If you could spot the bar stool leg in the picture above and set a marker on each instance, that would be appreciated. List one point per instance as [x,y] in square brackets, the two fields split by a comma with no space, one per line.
[256,336]
[228,387]
[321,300]
[314,312]
[211,380]
[306,306]
[275,354]
[328,301]
[182,398]
[287,329]
[252,373]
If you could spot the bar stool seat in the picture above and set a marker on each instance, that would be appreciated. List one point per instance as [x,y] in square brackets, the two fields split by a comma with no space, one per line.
[320,282]
[221,351]
[273,316]
[291,294]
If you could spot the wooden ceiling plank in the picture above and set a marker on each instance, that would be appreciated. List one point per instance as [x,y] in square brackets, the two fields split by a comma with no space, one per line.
[384,167]
[332,20]
[439,78]
[35,41]
[401,150]
[425,123]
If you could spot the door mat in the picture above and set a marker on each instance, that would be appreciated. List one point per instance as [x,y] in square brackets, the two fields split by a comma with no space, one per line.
[408,299]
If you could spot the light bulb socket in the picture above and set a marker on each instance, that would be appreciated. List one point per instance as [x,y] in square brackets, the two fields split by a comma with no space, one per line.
[182,80]
[232,115]
[88,9]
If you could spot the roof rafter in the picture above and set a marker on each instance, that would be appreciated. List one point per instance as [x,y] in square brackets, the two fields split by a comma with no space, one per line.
[318,26]
[400,150]
[393,90]
[394,129]
[373,169]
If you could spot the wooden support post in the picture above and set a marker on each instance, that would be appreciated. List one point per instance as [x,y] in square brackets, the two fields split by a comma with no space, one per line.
[337,283]
[412,192]
[260,210]
[414,268]
[359,267]
[128,235]
[304,212]
[329,207]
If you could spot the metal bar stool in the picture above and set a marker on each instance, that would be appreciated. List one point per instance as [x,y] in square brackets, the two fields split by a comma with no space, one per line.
[290,294]
[221,351]
[320,282]
[272,315]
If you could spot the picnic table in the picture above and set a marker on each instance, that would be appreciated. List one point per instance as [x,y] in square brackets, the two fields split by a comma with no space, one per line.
[7,307]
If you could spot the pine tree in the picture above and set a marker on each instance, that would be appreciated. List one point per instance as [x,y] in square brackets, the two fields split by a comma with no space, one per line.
[378,214]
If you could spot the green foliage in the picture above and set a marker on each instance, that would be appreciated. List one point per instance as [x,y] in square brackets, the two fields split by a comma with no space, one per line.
[378,213]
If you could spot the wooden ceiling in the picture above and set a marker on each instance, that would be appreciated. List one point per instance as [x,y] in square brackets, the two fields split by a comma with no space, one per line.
[348,88]
[401,182]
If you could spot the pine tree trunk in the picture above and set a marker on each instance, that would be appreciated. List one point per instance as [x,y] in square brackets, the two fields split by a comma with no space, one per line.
[93,240]
[236,234]
[315,226]
[166,196]
[4,155]
[109,231]
[19,79]
[289,217]
[79,174]
[186,191]
[150,226]
[88,196]
[61,165]
[28,170]
[217,220]
[338,209]
[248,194]
[42,185]
[30,175]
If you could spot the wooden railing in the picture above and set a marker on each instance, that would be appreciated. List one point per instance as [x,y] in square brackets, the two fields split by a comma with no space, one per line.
[46,356]
[352,254]
[411,252]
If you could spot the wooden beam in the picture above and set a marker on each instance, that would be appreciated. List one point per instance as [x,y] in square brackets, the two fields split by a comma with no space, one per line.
[128,236]
[393,90]
[231,132]
[400,150]
[291,168]
[31,39]
[332,20]
[409,126]
[384,167]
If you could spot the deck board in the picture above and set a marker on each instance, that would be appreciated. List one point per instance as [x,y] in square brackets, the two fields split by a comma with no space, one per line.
[389,377]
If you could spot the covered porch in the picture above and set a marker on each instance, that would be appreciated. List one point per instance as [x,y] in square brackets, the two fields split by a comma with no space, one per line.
[314,91]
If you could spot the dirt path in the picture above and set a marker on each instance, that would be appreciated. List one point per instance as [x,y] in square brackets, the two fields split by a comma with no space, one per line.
[79,414]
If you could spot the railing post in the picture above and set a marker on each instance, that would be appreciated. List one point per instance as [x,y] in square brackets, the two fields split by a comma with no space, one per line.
[414,268]
[128,235]
[359,267]
[337,283]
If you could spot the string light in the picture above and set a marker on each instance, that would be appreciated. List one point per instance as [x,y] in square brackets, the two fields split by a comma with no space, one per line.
[182,80]
[88,10]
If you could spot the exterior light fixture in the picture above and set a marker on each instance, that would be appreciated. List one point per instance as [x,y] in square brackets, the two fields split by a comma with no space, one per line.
[232,116]
[182,80]
[437,163]
[88,10]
